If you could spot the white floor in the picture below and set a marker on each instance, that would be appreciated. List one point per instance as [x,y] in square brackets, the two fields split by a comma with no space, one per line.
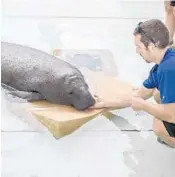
[122,146]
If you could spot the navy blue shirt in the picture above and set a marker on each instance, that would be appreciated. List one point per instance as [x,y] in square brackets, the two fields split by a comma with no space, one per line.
[162,77]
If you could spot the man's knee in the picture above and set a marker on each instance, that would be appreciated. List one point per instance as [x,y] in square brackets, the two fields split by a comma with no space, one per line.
[161,132]
[158,127]
[156,95]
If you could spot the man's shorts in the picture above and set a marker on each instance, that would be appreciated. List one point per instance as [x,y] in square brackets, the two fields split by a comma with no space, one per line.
[170,127]
[172,3]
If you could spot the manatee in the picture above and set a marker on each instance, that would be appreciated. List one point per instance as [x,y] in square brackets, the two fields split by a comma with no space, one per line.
[36,75]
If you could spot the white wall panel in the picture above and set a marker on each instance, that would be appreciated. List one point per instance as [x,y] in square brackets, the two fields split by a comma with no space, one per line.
[83,8]
[48,34]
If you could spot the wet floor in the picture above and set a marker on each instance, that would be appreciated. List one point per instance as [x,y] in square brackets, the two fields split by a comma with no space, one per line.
[100,32]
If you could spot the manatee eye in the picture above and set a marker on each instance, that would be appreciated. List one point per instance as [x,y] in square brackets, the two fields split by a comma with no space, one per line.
[71,92]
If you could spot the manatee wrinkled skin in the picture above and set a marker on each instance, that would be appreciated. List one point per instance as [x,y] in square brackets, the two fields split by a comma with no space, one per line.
[37,75]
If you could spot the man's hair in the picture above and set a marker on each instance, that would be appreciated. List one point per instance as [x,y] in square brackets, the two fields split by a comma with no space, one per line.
[153,31]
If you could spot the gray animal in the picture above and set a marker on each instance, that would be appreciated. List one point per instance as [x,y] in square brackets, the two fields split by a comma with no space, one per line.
[37,75]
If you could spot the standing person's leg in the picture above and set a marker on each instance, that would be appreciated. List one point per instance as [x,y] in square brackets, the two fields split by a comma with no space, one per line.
[165,131]
[173,5]
[170,18]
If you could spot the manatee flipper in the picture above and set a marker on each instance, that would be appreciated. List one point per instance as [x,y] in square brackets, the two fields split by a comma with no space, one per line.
[29,96]
[7,87]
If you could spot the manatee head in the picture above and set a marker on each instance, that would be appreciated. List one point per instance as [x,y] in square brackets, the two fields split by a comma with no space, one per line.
[69,89]
[77,90]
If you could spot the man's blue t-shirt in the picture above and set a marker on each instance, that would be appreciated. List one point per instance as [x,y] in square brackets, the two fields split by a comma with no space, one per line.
[162,77]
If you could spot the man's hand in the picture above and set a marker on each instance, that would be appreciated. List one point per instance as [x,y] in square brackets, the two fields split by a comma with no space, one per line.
[99,103]
[143,92]
[115,102]
[137,103]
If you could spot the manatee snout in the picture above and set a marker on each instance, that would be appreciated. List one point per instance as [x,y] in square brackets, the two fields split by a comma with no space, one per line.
[84,100]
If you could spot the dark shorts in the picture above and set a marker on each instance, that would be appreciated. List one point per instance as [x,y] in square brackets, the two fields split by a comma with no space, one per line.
[170,127]
[172,3]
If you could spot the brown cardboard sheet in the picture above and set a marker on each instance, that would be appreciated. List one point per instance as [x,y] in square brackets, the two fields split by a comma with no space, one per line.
[62,120]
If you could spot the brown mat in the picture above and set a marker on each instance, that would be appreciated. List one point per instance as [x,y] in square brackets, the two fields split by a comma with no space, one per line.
[62,120]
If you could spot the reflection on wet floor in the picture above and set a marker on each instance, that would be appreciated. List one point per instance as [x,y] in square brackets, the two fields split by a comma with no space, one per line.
[94,60]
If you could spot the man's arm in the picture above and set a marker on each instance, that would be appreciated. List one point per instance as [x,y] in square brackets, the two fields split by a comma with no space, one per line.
[143,92]
[164,112]
[147,88]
